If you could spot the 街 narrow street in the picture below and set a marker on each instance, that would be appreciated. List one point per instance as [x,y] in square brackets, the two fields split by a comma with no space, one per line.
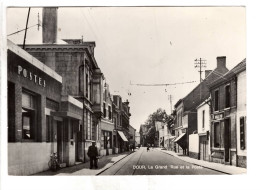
[155,162]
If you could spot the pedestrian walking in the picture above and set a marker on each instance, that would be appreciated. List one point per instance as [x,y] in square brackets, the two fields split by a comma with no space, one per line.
[93,155]
[148,147]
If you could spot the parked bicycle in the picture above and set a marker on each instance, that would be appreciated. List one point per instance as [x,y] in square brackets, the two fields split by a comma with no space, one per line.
[54,163]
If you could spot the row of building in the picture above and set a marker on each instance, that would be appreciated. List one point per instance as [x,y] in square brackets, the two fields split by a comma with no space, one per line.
[59,101]
[210,122]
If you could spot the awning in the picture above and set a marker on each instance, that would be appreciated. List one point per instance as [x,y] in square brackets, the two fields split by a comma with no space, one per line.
[122,135]
[181,140]
[172,138]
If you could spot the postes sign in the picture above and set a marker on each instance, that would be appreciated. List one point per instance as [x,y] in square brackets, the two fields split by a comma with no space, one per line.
[31,76]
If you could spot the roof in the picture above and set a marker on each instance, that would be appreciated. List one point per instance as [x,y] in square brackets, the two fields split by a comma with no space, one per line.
[230,74]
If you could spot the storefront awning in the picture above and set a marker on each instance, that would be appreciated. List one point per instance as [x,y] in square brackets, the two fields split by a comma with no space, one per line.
[180,137]
[172,138]
[181,140]
[122,135]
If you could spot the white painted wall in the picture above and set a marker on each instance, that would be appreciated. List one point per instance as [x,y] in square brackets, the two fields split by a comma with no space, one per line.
[207,118]
[194,143]
[241,108]
[28,158]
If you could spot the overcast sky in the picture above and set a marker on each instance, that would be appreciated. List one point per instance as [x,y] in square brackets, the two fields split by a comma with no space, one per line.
[147,45]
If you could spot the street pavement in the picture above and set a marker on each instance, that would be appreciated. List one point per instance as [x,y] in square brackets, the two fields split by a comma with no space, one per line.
[155,162]
[228,169]
[83,168]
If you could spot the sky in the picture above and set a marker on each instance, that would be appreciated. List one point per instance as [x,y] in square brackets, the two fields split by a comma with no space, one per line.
[147,45]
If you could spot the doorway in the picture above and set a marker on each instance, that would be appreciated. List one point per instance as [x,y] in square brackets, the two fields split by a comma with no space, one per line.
[59,141]
[227,139]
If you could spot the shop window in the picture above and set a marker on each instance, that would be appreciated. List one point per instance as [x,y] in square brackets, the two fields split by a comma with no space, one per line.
[28,116]
[217,135]
[106,139]
[216,101]
[242,133]
[109,112]
[227,96]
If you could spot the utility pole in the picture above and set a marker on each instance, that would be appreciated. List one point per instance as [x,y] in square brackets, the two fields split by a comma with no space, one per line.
[26,27]
[170,98]
[200,63]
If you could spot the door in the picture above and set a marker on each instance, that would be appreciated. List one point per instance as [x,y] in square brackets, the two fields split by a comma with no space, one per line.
[227,139]
[59,141]
[78,145]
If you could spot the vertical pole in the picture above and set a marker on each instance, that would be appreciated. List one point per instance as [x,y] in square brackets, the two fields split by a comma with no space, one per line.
[26,27]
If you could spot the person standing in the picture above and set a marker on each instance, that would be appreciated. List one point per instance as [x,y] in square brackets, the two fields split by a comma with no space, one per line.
[93,154]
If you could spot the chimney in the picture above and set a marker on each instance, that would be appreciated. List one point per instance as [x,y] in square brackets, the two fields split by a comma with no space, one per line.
[49,25]
[207,73]
[221,62]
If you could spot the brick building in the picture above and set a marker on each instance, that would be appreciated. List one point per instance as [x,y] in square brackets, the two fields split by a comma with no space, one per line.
[40,118]
[224,126]
[107,125]
[186,111]
[82,79]
[121,115]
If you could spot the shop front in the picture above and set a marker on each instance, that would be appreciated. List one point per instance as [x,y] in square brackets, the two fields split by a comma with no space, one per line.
[223,143]
[122,142]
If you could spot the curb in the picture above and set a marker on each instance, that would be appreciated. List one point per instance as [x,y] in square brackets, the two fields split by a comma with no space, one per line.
[198,164]
[114,163]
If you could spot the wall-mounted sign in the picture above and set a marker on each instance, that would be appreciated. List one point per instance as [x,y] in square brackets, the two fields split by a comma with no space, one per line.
[29,75]
[219,116]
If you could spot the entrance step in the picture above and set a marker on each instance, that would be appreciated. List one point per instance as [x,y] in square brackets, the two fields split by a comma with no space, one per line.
[77,163]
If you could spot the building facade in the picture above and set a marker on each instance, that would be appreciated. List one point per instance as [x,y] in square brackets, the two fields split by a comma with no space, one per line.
[224,145]
[137,139]
[40,119]
[132,137]
[82,79]
[186,107]
[241,116]
[121,117]
[106,123]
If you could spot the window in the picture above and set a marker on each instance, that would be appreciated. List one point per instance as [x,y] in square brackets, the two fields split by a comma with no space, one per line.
[81,79]
[109,112]
[48,129]
[106,140]
[87,86]
[104,110]
[203,119]
[242,133]
[28,116]
[216,102]
[217,135]
[71,130]
[227,98]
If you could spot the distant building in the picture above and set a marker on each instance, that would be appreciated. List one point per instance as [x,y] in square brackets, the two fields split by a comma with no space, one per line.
[143,132]
[137,139]
[132,132]
[121,115]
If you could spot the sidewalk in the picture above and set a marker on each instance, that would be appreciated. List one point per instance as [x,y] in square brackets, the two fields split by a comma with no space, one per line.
[232,170]
[83,169]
